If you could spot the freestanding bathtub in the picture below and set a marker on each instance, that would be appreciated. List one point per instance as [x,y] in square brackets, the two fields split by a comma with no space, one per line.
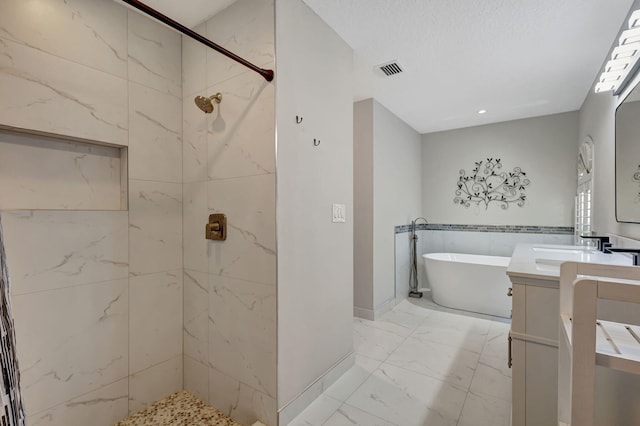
[469,282]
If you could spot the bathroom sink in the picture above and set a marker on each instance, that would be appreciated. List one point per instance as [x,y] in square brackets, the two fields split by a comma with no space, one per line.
[549,265]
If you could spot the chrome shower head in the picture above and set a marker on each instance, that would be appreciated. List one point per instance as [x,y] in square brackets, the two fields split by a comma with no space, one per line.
[206,104]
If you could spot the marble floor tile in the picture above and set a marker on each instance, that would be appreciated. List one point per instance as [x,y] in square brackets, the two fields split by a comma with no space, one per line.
[443,328]
[408,398]
[450,370]
[453,365]
[403,322]
[350,416]
[317,412]
[418,307]
[497,343]
[374,342]
[383,324]
[483,410]
[352,379]
[492,377]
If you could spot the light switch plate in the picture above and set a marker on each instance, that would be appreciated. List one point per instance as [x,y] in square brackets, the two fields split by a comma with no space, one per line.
[339,213]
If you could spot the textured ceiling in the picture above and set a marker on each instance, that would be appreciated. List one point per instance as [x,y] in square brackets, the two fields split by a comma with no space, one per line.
[515,59]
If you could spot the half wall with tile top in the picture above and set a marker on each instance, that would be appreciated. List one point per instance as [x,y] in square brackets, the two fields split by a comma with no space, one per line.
[492,240]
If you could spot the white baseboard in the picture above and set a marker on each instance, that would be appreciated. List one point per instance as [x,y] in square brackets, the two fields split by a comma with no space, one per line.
[372,315]
[386,307]
[302,401]
[363,313]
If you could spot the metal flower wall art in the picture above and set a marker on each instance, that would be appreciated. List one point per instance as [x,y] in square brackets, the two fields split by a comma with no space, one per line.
[487,184]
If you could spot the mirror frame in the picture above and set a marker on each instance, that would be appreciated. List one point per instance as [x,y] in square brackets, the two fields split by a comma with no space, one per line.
[631,86]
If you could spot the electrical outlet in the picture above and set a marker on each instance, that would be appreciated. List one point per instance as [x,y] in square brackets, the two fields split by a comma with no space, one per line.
[339,213]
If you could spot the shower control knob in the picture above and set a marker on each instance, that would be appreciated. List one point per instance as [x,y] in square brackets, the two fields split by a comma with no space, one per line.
[216,229]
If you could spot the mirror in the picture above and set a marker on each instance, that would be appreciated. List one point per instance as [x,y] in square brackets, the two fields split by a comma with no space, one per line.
[628,158]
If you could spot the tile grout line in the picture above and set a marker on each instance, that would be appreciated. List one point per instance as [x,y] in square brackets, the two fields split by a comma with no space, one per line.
[343,403]
[360,409]
[475,370]
[404,339]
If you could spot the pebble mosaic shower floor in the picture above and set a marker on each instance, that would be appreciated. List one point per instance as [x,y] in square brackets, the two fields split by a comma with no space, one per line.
[179,409]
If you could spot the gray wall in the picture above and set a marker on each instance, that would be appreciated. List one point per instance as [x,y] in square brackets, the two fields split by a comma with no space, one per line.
[596,120]
[363,229]
[544,147]
[315,256]
[387,186]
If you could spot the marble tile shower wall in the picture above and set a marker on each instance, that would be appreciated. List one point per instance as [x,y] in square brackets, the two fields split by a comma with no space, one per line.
[229,167]
[478,242]
[97,295]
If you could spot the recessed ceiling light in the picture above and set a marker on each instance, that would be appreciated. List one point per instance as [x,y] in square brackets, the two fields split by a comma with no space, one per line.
[482,111]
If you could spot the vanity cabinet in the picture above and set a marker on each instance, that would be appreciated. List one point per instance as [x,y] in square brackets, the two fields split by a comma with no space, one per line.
[534,352]
[534,271]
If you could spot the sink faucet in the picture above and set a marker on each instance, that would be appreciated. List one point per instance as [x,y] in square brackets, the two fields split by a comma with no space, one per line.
[635,253]
[603,242]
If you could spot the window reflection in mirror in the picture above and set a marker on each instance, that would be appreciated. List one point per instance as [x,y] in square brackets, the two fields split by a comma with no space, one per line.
[628,158]
[584,194]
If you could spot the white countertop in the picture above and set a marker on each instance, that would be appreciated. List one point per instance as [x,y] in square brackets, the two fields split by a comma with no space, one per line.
[542,261]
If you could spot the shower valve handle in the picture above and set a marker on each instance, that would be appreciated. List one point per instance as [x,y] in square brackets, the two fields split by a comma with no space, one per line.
[216,229]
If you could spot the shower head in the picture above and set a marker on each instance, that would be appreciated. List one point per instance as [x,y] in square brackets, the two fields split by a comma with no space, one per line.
[206,104]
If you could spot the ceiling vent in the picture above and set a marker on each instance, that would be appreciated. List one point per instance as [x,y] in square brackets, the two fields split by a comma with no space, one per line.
[390,68]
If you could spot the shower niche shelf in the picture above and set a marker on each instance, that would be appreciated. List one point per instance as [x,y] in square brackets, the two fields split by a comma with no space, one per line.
[41,171]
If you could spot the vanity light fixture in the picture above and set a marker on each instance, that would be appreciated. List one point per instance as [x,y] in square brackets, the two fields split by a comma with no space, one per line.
[624,59]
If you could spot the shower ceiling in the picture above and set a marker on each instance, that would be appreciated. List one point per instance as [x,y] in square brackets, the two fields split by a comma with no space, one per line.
[515,59]
[189,12]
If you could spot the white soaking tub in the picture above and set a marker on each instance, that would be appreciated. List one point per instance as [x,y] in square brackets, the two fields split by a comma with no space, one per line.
[470,282]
